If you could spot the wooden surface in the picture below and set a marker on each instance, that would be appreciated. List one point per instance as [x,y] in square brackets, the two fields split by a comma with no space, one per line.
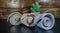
[5,11]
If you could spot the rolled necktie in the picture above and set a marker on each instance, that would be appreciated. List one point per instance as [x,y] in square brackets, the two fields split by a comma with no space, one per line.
[28,19]
[14,18]
[45,21]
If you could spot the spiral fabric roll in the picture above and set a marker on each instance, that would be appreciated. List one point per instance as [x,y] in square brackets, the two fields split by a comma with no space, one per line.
[28,19]
[14,18]
[45,21]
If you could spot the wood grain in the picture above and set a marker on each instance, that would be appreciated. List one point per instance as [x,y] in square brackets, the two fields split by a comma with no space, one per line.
[5,10]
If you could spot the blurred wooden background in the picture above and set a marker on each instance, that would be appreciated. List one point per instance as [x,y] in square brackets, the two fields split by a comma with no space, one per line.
[50,7]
